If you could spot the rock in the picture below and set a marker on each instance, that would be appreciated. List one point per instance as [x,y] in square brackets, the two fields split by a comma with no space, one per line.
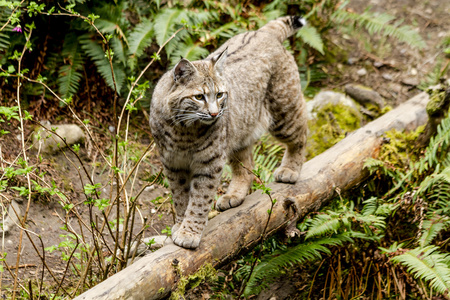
[47,142]
[387,76]
[378,64]
[328,97]
[10,220]
[352,60]
[364,95]
[410,80]
[361,72]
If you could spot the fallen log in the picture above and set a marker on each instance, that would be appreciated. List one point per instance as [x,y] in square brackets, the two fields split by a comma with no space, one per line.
[338,168]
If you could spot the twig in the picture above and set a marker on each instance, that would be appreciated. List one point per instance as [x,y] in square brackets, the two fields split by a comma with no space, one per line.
[9,19]
[25,158]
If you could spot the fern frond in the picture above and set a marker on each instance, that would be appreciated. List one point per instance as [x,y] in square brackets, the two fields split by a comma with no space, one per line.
[431,229]
[438,147]
[428,264]
[140,37]
[310,36]
[166,24]
[324,224]
[113,20]
[270,267]
[378,23]
[69,74]
[188,50]
[119,49]
[96,53]
[4,36]
[267,156]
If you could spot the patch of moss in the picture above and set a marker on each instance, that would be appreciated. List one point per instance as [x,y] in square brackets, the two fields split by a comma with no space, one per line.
[206,273]
[401,147]
[437,99]
[330,126]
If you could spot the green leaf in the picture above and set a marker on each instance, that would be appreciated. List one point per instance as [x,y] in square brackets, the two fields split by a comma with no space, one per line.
[141,37]
[311,37]
[189,51]
[69,74]
[96,53]
[428,264]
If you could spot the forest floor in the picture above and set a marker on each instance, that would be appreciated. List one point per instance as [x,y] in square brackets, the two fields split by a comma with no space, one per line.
[391,68]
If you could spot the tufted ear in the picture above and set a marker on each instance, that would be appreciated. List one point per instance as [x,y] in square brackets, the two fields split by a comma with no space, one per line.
[219,60]
[183,71]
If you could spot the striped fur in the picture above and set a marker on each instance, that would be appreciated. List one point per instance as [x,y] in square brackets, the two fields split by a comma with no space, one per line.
[205,113]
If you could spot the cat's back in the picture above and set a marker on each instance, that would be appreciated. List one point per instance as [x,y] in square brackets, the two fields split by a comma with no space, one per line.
[264,45]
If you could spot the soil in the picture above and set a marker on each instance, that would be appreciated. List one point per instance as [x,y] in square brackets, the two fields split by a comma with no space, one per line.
[392,69]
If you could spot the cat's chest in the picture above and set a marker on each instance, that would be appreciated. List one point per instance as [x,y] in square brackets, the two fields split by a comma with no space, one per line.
[186,146]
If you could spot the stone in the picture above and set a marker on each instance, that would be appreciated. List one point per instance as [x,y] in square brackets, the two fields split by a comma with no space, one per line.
[328,97]
[387,76]
[361,72]
[10,219]
[364,95]
[47,142]
[410,80]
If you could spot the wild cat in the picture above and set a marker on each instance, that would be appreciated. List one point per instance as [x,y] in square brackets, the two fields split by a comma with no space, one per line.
[207,112]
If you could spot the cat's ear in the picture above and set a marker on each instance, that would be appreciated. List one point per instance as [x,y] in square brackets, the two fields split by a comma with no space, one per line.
[219,60]
[183,70]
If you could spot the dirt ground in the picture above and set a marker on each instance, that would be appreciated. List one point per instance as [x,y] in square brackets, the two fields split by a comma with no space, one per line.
[391,68]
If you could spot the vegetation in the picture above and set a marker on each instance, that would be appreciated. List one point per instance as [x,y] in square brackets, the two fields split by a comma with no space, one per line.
[96,62]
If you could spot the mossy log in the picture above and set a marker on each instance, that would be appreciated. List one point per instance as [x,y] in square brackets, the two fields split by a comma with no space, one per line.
[339,168]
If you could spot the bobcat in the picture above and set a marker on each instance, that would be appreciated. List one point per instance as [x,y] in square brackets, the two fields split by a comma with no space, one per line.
[206,112]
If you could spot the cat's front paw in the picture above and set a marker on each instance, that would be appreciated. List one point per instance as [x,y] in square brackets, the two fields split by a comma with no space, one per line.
[286,175]
[175,227]
[228,201]
[186,239]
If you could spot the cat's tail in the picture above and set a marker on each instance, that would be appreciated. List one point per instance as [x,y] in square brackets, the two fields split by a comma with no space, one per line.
[284,27]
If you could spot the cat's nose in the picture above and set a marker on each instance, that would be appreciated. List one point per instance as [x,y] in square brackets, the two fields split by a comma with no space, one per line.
[213,114]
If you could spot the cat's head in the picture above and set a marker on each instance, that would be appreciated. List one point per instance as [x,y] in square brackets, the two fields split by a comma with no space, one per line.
[201,92]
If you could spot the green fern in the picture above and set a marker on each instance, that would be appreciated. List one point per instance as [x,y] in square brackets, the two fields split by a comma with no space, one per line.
[310,36]
[140,38]
[166,23]
[324,224]
[271,265]
[431,228]
[4,36]
[97,55]
[188,50]
[69,74]
[438,147]
[379,23]
[267,155]
[428,264]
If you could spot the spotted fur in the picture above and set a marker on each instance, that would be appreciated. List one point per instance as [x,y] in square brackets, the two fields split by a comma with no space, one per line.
[205,113]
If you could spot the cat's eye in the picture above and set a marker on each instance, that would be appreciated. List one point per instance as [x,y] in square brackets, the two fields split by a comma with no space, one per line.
[219,95]
[199,97]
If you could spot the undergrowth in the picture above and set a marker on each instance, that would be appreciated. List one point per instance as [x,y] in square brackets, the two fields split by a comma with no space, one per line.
[95,63]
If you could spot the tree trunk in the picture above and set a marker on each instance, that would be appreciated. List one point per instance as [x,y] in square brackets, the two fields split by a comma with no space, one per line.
[338,168]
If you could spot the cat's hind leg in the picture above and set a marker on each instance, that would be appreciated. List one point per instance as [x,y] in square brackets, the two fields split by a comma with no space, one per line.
[289,120]
[241,180]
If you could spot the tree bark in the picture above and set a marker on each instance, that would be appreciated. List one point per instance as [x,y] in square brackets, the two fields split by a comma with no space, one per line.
[338,168]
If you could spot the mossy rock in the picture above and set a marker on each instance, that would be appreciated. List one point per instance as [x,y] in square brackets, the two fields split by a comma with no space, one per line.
[332,123]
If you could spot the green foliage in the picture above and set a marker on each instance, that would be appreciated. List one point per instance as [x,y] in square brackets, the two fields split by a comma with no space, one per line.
[428,264]
[70,74]
[380,23]
[330,126]
[310,36]
[267,155]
